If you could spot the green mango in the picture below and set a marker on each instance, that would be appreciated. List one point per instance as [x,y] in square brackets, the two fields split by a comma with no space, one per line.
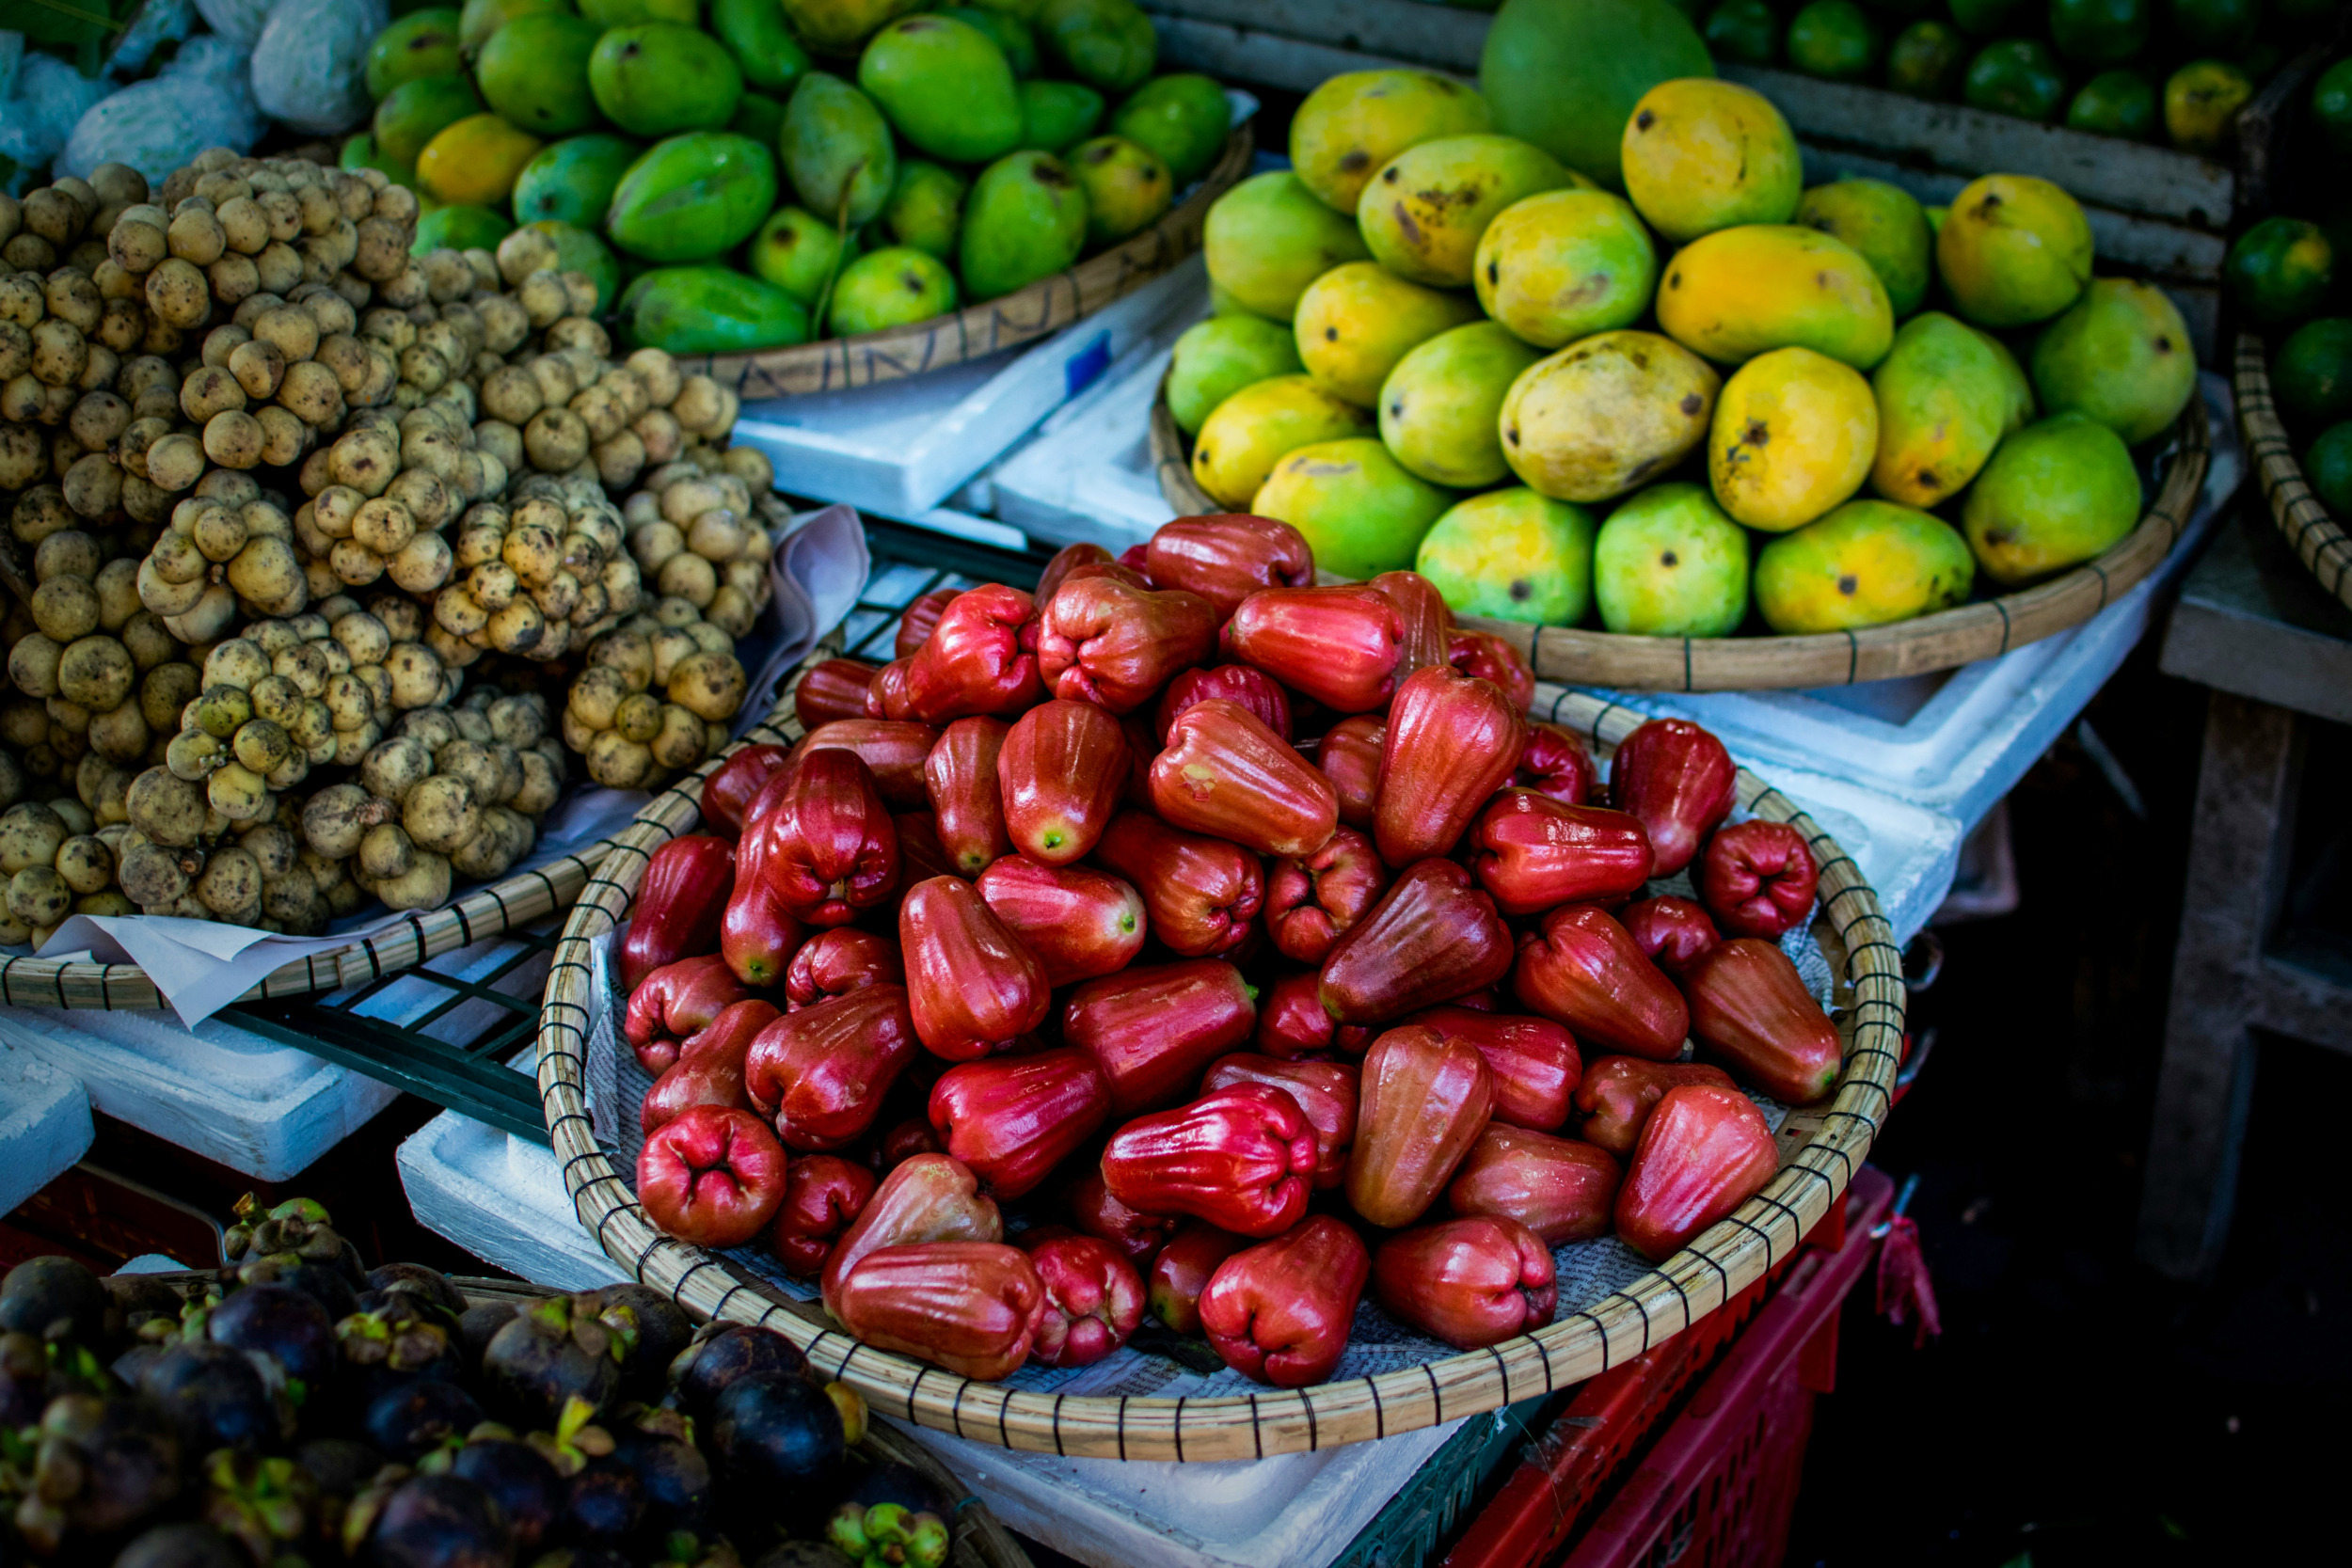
[2015,250]
[482,18]
[799,252]
[838,26]
[1513,555]
[581,250]
[1183,117]
[1885,224]
[770,58]
[417,111]
[423,43]
[1362,513]
[627,13]
[1218,358]
[1864,563]
[2055,495]
[2120,354]
[1126,187]
[460,227]
[534,73]
[1027,219]
[656,79]
[1057,116]
[944,86]
[837,150]
[1269,237]
[572,180]
[1945,402]
[710,310]
[1107,44]
[925,208]
[758,116]
[1440,407]
[897,286]
[1006,31]
[1669,563]
[360,153]
[692,197]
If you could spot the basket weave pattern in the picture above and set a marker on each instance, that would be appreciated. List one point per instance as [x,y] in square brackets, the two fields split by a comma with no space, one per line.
[2318,541]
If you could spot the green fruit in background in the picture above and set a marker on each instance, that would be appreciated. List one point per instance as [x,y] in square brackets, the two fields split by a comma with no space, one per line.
[897,286]
[1925,60]
[758,116]
[838,26]
[2331,104]
[1867,563]
[798,252]
[534,73]
[1254,428]
[2278,271]
[691,196]
[1884,225]
[2015,76]
[1558,266]
[1358,320]
[482,18]
[460,227]
[1026,220]
[1006,32]
[1423,214]
[2055,495]
[627,13]
[1352,124]
[1512,555]
[1107,44]
[1945,402]
[925,208]
[1126,187]
[1361,512]
[944,86]
[1701,156]
[2115,104]
[1669,563]
[657,78]
[837,149]
[1605,413]
[2015,250]
[1744,30]
[1439,405]
[360,153]
[753,31]
[1057,116]
[1183,118]
[423,43]
[1218,358]
[1268,237]
[417,111]
[2099,33]
[2218,27]
[2122,355]
[2313,373]
[2202,101]
[572,180]
[710,310]
[2328,469]
[1984,18]
[1565,75]
[1739,293]
[1834,39]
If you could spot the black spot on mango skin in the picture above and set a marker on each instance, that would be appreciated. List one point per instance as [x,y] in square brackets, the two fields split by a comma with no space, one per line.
[1354,159]
[913,280]
[1522,591]
[2164,342]
[1387,177]
[1406,225]
[1643,120]
[1668,557]
[1045,171]
[1757,434]
[1674,280]
[1331,334]
[1396,410]
[1847,585]
[1691,404]
[1494,272]
[1512,436]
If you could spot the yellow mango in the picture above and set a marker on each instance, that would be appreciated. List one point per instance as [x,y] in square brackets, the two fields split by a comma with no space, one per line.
[1701,154]
[1945,400]
[1562,265]
[1355,122]
[1605,413]
[475,162]
[1739,293]
[1250,431]
[1794,433]
[1356,320]
[1423,213]
[1866,565]
[2015,250]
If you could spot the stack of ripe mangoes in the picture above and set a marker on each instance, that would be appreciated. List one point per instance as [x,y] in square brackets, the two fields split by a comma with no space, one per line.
[1438,347]
[772,171]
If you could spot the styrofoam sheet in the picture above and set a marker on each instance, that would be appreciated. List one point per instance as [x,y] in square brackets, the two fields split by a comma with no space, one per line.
[502,1199]
[44,1123]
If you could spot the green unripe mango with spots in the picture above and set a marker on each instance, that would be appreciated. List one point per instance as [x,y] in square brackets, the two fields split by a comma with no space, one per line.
[1425,213]
[1107,44]
[799,252]
[1945,401]
[897,286]
[572,180]
[1057,116]
[1669,563]
[1440,407]
[1360,511]
[710,310]
[1884,225]
[753,31]
[1865,564]
[1126,187]
[456,227]
[1512,555]
[838,151]
[417,111]
[1026,220]
[692,197]
[534,73]
[657,78]
[1268,237]
[1256,427]
[946,86]
[2121,354]
[2056,494]
[423,43]
[925,208]
[1183,118]
[1220,357]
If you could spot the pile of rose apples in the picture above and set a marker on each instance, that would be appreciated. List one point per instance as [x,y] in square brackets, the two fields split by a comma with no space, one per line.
[1248,928]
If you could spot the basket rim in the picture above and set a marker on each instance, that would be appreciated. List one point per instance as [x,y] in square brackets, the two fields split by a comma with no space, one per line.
[1693,1282]
[1942,640]
[956,337]
[2320,542]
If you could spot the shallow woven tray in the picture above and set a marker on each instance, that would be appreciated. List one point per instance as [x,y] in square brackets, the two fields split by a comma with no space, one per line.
[2321,544]
[1020,317]
[1829,1139]
[1985,629]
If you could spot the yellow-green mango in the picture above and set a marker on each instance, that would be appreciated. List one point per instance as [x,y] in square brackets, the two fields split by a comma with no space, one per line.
[1669,563]
[1027,219]
[799,252]
[1564,265]
[423,43]
[1423,213]
[1605,413]
[1794,433]
[1884,225]
[1866,565]
[1126,187]
[2056,494]
[1739,293]
[838,151]
[1354,123]
[419,109]
[1268,237]
[1361,512]
[2120,354]
[1358,320]
[838,26]
[1218,358]
[897,286]
[925,208]
[1700,154]
[1512,555]
[1440,407]
[1255,428]
[944,86]
[709,310]
[2015,250]
[1945,402]
[1183,117]
[474,160]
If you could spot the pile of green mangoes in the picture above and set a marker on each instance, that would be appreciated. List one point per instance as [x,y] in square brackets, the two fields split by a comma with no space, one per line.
[2139,69]
[742,175]
[1438,348]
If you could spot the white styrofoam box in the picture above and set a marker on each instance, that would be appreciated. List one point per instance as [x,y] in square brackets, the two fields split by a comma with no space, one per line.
[901,448]
[501,1199]
[44,1124]
[250,1104]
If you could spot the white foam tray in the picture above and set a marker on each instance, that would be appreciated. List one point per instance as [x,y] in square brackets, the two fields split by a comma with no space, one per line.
[44,1124]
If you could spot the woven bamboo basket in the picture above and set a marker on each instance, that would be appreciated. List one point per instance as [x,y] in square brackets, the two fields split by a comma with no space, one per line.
[1985,629]
[1821,1146]
[2317,539]
[1020,317]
